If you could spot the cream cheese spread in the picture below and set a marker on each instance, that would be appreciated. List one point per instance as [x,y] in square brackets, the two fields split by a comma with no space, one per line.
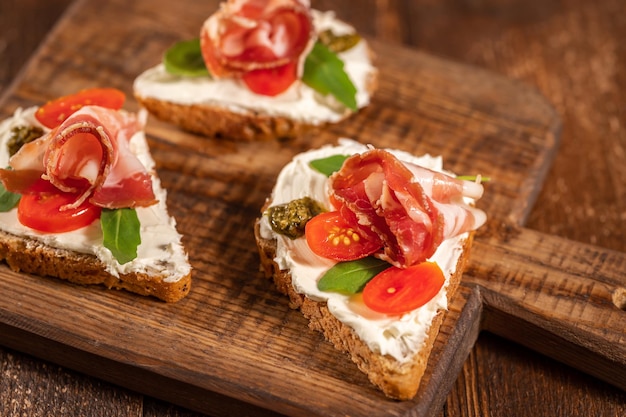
[299,102]
[398,336]
[160,251]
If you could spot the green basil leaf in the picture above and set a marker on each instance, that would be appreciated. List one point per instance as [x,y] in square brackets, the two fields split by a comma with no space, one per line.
[329,165]
[323,72]
[8,200]
[350,277]
[185,58]
[120,230]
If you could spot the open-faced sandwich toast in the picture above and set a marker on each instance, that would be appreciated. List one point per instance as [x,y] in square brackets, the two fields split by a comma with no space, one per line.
[261,70]
[370,245]
[80,199]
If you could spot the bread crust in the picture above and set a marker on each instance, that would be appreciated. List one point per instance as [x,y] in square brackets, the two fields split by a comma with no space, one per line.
[215,121]
[396,380]
[31,256]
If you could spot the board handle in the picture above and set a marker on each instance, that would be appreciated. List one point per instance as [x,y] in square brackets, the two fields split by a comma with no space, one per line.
[564,299]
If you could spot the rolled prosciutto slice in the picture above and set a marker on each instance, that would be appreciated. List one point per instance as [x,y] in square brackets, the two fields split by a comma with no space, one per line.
[87,155]
[246,35]
[412,209]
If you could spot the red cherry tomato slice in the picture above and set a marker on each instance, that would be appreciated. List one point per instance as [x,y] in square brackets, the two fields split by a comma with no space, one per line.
[39,209]
[57,111]
[396,290]
[271,81]
[330,236]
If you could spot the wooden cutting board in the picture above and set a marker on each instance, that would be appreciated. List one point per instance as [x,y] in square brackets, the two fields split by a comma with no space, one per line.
[233,346]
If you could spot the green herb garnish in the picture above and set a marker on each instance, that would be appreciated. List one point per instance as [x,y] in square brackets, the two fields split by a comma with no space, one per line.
[350,277]
[8,200]
[324,72]
[121,233]
[329,165]
[473,178]
[185,58]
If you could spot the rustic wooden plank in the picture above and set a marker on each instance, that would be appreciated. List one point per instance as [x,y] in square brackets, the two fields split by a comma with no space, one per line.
[104,398]
[201,367]
[444,106]
[39,396]
[29,386]
[539,62]
[560,298]
[17,45]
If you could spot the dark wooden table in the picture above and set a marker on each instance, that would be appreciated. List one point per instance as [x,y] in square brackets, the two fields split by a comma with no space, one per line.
[572,51]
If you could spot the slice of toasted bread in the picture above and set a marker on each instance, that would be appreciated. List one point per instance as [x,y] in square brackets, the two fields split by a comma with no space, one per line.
[225,108]
[161,268]
[391,349]
[397,380]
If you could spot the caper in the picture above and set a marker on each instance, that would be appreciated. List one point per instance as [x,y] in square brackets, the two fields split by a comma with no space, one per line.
[338,43]
[289,219]
[21,135]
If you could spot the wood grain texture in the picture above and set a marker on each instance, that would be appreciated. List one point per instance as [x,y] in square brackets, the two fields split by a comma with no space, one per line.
[29,386]
[492,379]
[556,297]
[232,333]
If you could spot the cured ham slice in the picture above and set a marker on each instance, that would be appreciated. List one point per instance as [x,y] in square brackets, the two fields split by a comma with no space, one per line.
[87,155]
[412,209]
[246,35]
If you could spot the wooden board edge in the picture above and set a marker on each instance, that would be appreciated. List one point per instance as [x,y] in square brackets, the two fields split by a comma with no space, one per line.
[127,376]
[454,354]
[565,308]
